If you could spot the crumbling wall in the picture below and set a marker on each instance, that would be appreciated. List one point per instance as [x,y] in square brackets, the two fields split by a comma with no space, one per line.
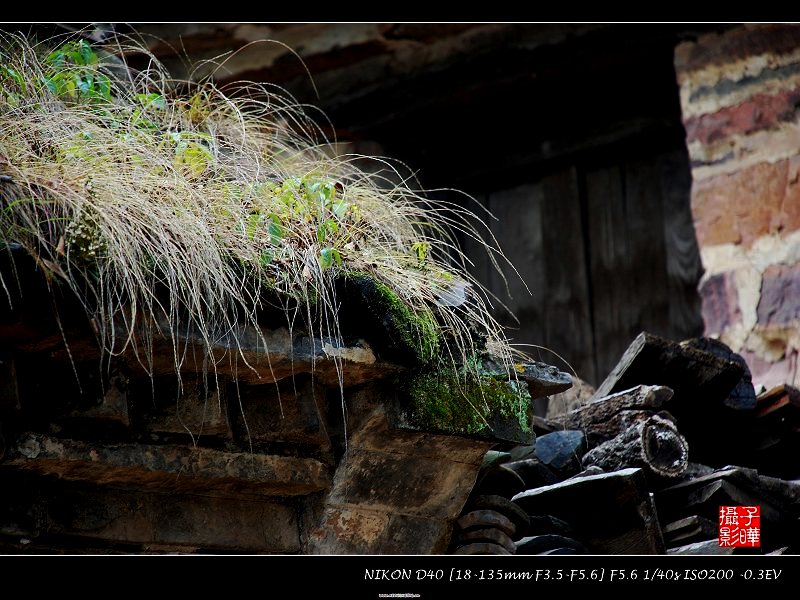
[740,94]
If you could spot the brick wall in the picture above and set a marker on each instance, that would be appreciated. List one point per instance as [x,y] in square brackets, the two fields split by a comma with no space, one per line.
[740,96]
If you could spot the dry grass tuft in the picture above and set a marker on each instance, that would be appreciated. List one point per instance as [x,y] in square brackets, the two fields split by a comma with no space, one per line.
[183,203]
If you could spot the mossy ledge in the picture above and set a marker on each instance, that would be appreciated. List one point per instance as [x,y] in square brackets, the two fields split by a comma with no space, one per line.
[463,402]
[413,335]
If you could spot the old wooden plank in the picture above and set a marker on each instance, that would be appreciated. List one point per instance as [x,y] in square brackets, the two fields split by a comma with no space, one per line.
[768,408]
[264,356]
[645,230]
[567,316]
[381,481]
[518,229]
[611,264]
[776,398]
[683,265]
[192,521]
[61,514]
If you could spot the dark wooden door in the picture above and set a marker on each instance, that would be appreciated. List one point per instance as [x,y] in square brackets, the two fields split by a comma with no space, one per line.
[606,249]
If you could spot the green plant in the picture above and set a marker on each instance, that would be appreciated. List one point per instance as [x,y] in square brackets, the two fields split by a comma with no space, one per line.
[154,205]
[72,73]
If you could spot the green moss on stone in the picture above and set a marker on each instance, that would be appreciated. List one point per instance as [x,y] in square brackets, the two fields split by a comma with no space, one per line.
[464,402]
[414,332]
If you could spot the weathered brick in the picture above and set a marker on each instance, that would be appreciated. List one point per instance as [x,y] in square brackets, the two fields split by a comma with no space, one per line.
[739,207]
[790,211]
[720,303]
[736,44]
[761,111]
[780,290]
[769,374]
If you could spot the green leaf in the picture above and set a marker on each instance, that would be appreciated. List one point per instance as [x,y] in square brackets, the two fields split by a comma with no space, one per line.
[326,258]
[340,208]
[252,225]
[329,256]
[51,85]
[265,258]
[84,86]
[197,158]
[104,86]
[148,100]
[313,188]
[275,230]
[56,58]
[421,250]
[87,55]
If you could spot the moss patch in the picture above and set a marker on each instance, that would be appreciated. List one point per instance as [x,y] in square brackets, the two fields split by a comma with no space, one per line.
[413,333]
[463,402]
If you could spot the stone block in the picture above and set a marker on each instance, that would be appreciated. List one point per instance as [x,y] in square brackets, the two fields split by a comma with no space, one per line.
[348,530]
[388,482]
[197,408]
[720,303]
[291,411]
[88,514]
[169,467]
[780,291]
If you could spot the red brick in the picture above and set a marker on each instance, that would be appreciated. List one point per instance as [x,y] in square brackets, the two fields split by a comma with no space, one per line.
[760,112]
[790,211]
[736,44]
[740,207]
